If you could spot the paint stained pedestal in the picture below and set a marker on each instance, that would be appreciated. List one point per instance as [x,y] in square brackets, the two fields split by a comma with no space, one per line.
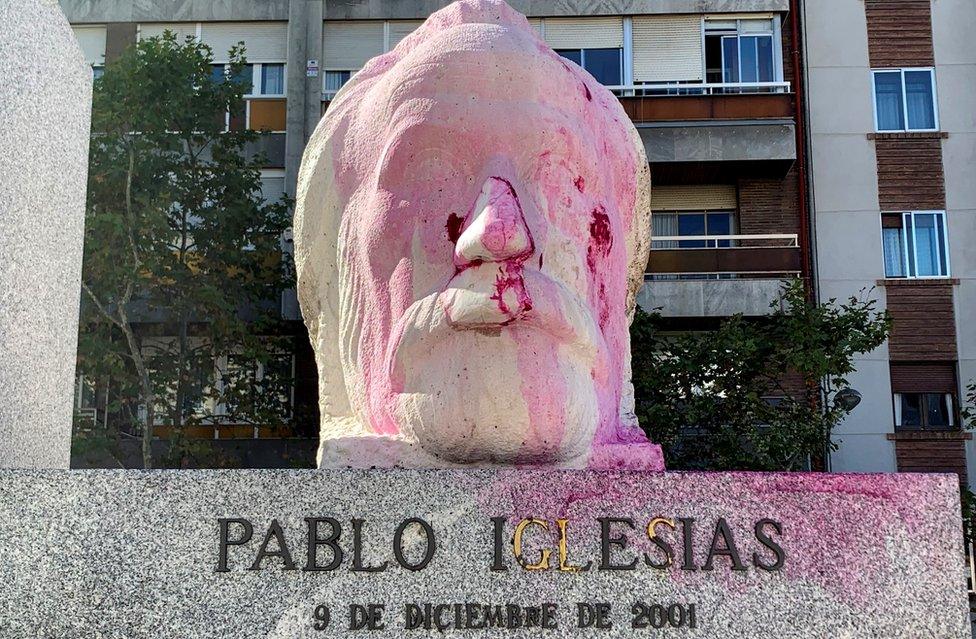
[391,553]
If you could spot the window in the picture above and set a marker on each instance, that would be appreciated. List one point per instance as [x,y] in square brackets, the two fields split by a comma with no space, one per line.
[711,223]
[740,51]
[606,65]
[272,79]
[924,411]
[904,100]
[915,244]
[334,81]
[97,72]
[924,395]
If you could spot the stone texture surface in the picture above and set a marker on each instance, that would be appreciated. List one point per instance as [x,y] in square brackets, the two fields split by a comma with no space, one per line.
[134,554]
[471,228]
[45,107]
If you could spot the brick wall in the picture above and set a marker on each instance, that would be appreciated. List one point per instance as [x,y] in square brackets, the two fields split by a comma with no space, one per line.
[769,205]
[910,176]
[924,325]
[931,453]
[900,33]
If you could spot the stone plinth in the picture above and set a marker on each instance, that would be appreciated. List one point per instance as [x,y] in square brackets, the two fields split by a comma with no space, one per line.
[45,107]
[138,554]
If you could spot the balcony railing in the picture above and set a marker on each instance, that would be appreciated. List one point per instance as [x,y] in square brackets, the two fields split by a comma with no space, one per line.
[724,256]
[700,88]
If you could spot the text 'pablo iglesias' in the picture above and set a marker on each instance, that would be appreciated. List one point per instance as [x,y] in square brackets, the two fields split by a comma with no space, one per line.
[327,544]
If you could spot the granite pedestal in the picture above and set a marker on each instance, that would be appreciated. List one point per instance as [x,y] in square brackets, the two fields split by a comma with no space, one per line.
[289,554]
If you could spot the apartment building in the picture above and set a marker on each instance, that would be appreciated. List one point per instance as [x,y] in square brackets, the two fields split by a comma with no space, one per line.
[710,84]
[894,201]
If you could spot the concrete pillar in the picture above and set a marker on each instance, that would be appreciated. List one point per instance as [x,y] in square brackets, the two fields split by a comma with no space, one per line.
[45,107]
[313,89]
[297,89]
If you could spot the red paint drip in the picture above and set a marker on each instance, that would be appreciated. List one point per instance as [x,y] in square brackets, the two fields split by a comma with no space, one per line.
[601,238]
[580,183]
[510,278]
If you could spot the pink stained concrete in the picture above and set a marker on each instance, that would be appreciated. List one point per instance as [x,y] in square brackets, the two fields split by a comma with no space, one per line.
[842,533]
[489,187]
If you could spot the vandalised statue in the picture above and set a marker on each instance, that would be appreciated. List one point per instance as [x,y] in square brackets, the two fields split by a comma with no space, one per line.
[472,227]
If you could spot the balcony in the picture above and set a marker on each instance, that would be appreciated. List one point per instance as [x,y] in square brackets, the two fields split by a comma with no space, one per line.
[718,275]
[711,101]
[715,129]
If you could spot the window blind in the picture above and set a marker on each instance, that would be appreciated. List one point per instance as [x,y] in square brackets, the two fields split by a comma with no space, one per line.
[400,29]
[923,377]
[349,44]
[264,41]
[92,41]
[695,197]
[181,29]
[585,33]
[667,48]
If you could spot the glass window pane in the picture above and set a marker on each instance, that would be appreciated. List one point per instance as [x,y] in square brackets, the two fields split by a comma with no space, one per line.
[664,225]
[730,59]
[894,252]
[937,410]
[217,72]
[748,59]
[693,224]
[97,72]
[764,55]
[246,78]
[911,409]
[910,245]
[335,79]
[943,256]
[921,103]
[273,79]
[576,55]
[604,65]
[719,224]
[926,245]
[755,26]
[888,101]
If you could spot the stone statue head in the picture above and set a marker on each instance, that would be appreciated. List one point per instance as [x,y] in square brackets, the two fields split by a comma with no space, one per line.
[472,227]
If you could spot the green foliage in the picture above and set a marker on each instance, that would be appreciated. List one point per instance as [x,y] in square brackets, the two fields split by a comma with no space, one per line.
[183,261]
[720,400]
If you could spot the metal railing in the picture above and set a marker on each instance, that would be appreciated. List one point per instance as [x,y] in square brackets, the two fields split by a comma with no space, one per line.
[699,88]
[675,88]
[669,242]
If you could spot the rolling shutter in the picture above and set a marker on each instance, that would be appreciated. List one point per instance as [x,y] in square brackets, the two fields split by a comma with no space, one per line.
[585,33]
[697,197]
[349,44]
[536,23]
[667,48]
[92,41]
[181,29]
[264,41]
[923,377]
[400,29]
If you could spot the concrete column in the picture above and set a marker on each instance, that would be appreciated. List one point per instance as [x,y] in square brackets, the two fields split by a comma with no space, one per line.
[297,88]
[313,94]
[45,107]
[304,93]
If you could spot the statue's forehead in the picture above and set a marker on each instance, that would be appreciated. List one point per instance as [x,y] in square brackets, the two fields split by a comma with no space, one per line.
[466,61]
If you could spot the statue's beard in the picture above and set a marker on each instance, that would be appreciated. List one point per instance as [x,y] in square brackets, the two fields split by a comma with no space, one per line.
[470,384]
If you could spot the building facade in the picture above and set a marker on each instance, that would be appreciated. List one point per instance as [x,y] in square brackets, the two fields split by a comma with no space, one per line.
[894,204]
[712,86]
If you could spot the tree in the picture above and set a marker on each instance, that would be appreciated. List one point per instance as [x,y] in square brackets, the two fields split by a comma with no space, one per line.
[755,394]
[183,263]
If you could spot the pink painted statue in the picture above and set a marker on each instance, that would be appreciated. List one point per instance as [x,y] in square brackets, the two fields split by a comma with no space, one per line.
[471,231]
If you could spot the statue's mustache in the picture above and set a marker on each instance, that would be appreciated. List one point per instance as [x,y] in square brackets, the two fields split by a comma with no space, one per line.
[536,302]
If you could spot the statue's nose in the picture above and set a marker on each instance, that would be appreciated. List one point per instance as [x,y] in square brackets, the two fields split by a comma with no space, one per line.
[496,229]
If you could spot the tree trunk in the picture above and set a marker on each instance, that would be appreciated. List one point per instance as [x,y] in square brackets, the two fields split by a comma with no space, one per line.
[146,388]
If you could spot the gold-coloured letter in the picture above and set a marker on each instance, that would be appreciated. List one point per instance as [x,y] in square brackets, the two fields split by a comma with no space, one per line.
[543,563]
